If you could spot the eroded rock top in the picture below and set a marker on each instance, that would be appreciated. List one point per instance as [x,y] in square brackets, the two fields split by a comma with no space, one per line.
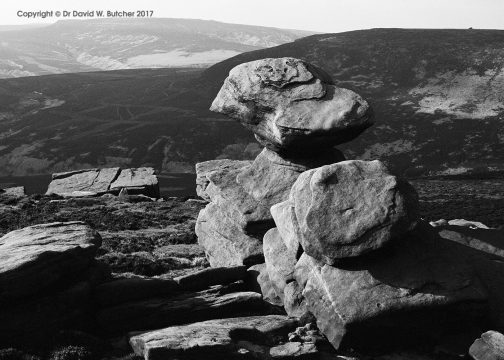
[290,104]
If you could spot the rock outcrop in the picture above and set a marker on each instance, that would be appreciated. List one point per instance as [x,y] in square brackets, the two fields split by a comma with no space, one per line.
[38,257]
[94,182]
[47,276]
[289,105]
[489,347]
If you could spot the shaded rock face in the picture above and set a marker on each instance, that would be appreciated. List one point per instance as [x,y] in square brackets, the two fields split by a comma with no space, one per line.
[412,291]
[347,209]
[291,106]
[93,182]
[47,275]
[489,347]
[38,257]
[483,248]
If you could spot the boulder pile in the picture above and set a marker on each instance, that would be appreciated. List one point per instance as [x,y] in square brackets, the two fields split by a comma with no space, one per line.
[95,182]
[340,239]
[299,115]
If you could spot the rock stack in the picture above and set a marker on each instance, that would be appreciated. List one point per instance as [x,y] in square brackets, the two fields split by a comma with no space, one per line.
[299,115]
[341,240]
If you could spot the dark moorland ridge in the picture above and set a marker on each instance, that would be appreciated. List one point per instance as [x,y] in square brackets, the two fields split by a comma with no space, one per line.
[437,96]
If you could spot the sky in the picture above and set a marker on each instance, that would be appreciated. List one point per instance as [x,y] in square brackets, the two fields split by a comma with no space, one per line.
[313,15]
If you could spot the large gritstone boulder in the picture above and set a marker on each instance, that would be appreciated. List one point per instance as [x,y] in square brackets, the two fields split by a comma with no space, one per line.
[411,292]
[346,209]
[291,106]
[40,256]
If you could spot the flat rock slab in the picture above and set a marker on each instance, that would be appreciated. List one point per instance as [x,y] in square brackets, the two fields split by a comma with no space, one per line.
[489,347]
[37,257]
[15,192]
[232,338]
[218,301]
[137,181]
[90,182]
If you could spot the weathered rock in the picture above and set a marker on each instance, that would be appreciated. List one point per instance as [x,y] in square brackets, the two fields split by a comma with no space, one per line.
[295,350]
[292,106]
[35,258]
[489,347]
[280,262]
[15,192]
[218,301]
[467,223]
[137,181]
[285,218]
[412,291]
[124,290]
[90,182]
[212,276]
[350,208]
[231,227]
[203,169]
[224,242]
[259,281]
[293,300]
[216,339]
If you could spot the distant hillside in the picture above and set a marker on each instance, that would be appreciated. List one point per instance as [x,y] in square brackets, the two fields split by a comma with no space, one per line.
[110,44]
[438,96]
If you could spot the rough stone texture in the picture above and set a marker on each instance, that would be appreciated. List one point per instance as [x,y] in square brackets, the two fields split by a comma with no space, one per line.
[293,300]
[218,301]
[295,350]
[467,223]
[350,208]
[291,105]
[259,281]
[280,262]
[211,276]
[224,242]
[214,339]
[137,181]
[411,291]
[285,219]
[203,169]
[16,192]
[90,181]
[489,347]
[484,250]
[37,257]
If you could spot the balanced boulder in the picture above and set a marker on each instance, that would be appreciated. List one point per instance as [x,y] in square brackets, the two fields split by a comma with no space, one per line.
[292,106]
